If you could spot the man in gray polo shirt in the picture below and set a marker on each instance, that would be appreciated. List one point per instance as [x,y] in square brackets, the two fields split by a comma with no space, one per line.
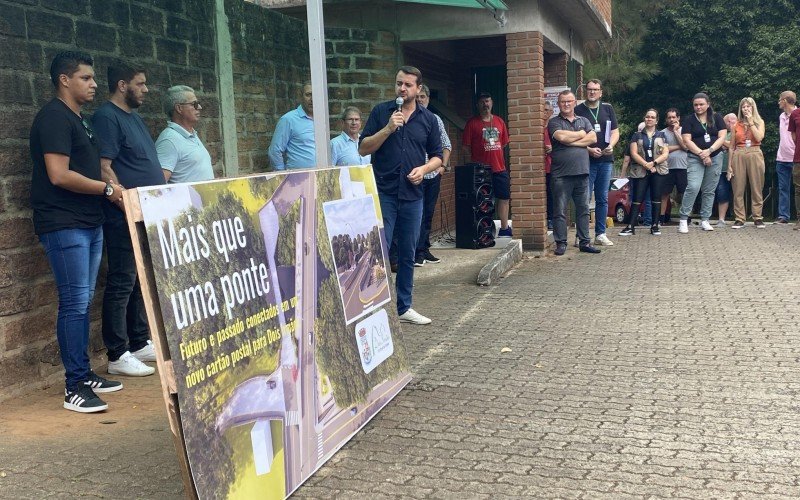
[182,155]
[570,135]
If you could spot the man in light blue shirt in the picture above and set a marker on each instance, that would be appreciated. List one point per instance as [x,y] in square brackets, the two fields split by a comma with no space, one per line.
[182,155]
[292,143]
[344,148]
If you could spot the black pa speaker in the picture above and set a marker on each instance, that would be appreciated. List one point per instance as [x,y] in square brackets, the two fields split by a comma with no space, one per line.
[474,206]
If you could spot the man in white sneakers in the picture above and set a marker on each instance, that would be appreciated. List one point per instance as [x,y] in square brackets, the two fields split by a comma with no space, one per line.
[127,156]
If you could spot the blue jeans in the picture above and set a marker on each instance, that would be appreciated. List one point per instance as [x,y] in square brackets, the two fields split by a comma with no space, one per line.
[700,179]
[575,187]
[599,179]
[783,171]
[402,218]
[647,216]
[74,256]
[430,195]
[124,318]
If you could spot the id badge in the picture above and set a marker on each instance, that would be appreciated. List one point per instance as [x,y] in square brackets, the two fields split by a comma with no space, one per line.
[707,138]
[597,127]
[747,143]
[649,153]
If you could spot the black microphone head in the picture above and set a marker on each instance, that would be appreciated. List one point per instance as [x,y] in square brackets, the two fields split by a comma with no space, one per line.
[399,102]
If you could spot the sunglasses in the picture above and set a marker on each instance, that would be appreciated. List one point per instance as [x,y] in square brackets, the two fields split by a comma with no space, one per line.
[87,128]
[194,104]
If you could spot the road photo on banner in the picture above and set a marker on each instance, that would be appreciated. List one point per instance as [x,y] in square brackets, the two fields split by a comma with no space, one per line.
[357,248]
[269,370]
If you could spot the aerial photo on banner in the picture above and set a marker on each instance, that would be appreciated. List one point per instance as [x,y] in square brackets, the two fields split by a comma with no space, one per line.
[280,325]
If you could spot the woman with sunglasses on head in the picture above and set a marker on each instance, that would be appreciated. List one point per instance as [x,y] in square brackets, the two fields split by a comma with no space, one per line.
[703,135]
[648,169]
[747,163]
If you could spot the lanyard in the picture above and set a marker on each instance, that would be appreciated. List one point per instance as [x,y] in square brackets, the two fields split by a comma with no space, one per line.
[648,144]
[704,125]
[595,114]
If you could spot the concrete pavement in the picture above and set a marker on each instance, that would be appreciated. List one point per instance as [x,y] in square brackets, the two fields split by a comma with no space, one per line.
[665,367]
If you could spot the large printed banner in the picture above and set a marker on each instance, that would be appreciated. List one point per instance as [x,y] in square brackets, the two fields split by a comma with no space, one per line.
[279,318]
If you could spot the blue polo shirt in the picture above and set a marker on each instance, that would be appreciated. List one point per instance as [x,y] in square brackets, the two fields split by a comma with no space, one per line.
[183,153]
[294,138]
[126,141]
[402,151]
[344,152]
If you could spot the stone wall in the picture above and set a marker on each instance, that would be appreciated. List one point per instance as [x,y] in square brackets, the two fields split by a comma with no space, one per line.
[174,40]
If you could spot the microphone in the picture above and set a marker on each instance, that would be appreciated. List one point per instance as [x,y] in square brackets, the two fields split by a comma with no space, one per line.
[399,103]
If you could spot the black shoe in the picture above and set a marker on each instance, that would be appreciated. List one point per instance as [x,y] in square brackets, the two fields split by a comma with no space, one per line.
[99,384]
[781,220]
[561,249]
[589,249]
[419,261]
[759,223]
[627,231]
[654,229]
[737,224]
[430,259]
[83,400]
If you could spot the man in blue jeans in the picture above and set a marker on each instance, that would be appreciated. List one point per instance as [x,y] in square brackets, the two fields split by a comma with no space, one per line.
[431,186]
[601,154]
[128,156]
[67,193]
[783,166]
[399,136]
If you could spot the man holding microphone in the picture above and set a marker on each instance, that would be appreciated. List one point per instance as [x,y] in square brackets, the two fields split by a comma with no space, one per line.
[399,134]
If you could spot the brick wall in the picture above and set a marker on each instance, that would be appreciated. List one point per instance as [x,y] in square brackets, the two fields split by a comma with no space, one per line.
[525,122]
[174,41]
[604,8]
[555,70]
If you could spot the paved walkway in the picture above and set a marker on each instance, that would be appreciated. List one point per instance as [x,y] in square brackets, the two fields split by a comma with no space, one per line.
[621,382]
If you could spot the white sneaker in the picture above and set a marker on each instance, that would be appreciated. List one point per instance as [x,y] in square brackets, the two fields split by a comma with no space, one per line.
[127,364]
[683,226]
[706,226]
[146,354]
[412,316]
[602,239]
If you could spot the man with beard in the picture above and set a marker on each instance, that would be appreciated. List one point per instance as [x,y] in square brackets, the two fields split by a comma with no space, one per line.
[484,138]
[403,139]
[601,154]
[127,156]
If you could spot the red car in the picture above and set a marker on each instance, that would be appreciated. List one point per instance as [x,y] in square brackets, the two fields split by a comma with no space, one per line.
[619,202]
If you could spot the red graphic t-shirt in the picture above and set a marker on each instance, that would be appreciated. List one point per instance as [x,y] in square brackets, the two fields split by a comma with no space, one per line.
[486,140]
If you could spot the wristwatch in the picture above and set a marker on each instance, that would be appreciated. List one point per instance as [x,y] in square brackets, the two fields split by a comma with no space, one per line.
[109,189]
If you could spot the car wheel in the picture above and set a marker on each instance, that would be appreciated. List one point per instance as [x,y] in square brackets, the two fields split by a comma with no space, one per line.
[619,213]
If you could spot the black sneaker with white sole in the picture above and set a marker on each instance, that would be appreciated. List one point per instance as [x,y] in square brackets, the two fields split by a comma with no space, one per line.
[419,261]
[100,384]
[430,258]
[83,400]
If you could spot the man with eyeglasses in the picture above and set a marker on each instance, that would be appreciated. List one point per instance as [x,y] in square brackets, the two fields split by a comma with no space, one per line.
[181,153]
[601,154]
[292,145]
[128,156]
[344,147]
[66,196]
[571,135]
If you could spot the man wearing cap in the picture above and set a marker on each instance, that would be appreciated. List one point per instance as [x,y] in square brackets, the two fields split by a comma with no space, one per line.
[484,138]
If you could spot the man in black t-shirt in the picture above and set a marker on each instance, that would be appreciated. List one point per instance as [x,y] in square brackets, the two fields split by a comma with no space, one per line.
[601,154]
[66,197]
[128,153]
